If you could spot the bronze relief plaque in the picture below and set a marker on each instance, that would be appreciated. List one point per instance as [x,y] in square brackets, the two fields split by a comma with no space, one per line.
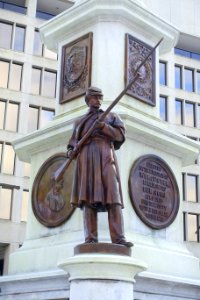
[144,87]
[50,200]
[154,191]
[76,68]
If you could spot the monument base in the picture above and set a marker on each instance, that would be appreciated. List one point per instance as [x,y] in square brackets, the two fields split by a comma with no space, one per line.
[102,248]
[100,275]
[54,285]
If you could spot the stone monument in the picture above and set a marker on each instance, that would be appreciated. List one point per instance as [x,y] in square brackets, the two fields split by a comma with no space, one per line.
[107,40]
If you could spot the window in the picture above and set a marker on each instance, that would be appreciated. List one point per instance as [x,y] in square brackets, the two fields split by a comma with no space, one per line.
[49,84]
[5,35]
[46,117]
[163,108]
[37,46]
[5,202]
[179,112]
[33,119]
[27,170]
[12,36]
[40,49]
[186,53]
[1,267]
[163,73]
[13,7]
[178,77]
[7,157]
[198,82]
[19,38]
[1,151]
[4,67]
[43,15]
[198,116]
[10,75]
[189,114]
[189,80]
[39,117]
[9,112]
[191,227]
[191,188]
[43,82]
[24,206]
[2,113]
[36,81]
[15,77]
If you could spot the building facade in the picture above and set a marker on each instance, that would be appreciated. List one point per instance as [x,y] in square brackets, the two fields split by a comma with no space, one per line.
[27,102]
[180,100]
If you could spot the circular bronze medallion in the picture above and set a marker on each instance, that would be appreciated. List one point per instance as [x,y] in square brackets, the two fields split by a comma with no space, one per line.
[51,200]
[154,191]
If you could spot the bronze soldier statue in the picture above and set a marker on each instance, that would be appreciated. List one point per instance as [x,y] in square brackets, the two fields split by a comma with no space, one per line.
[96,183]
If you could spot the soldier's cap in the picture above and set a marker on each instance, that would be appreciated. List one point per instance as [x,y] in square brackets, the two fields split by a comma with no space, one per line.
[93,91]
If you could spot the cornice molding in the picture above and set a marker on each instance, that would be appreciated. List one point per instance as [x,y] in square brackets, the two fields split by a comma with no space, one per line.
[90,12]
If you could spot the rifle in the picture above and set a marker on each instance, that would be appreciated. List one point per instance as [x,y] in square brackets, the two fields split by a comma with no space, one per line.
[60,172]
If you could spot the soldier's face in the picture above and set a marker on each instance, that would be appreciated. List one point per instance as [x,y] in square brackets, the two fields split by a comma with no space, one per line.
[94,101]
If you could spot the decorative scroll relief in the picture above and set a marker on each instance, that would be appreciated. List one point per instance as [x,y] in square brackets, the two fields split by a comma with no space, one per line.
[154,192]
[144,87]
[76,68]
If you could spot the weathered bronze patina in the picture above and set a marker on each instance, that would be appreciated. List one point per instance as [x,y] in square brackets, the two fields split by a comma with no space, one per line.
[154,191]
[76,68]
[144,87]
[102,248]
[50,199]
[96,182]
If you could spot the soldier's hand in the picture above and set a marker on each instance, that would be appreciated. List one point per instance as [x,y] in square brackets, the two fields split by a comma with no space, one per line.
[70,153]
[99,125]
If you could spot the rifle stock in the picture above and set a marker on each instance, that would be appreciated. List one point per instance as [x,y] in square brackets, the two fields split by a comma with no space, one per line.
[58,175]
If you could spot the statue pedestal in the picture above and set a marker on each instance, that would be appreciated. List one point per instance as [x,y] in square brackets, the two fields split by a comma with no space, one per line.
[102,276]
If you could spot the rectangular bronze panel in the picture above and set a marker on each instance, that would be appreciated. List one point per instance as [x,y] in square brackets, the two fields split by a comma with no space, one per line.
[76,68]
[144,87]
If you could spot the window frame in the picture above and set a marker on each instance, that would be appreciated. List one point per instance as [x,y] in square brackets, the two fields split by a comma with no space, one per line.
[44,48]
[193,79]
[41,86]
[11,188]
[194,114]
[181,76]
[7,102]
[166,108]
[40,109]
[186,227]
[10,63]
[2,161]
[185,187]
[165,73]
[13,35]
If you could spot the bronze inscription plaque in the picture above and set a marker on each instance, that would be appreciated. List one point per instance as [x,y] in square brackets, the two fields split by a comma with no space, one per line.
[76,68]
[154,192]
[144,87]
[50,200]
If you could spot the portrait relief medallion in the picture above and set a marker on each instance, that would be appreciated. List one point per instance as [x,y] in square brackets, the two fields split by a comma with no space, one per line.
[154,191]
[76,68]
[50,199]
[144,87]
